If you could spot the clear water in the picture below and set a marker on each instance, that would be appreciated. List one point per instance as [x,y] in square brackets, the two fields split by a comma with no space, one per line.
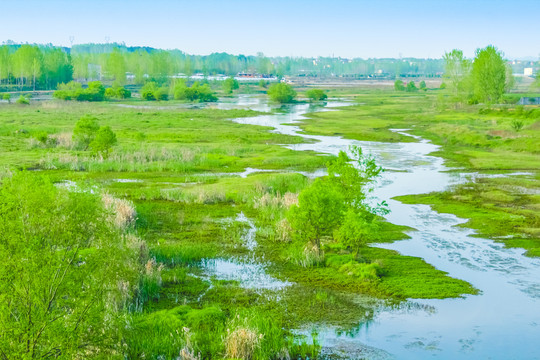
[503,322]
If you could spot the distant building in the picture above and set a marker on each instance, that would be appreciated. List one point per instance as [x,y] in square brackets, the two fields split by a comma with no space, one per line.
[528,71]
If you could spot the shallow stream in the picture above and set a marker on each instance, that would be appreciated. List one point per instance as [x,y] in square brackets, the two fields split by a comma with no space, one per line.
[503,322]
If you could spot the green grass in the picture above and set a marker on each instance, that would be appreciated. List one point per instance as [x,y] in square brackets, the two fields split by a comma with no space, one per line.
[177,163]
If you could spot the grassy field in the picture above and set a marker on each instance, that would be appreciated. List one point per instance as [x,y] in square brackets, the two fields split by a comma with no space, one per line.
[486,139]
[178,167]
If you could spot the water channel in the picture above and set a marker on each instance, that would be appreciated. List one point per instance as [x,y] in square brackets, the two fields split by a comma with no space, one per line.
[503,322]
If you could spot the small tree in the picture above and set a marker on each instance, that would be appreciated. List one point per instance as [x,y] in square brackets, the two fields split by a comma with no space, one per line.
[357,230]
[281,92]
[423,85]
[229,85]
[85,131]
[7,97]
[316,95]
[103,141]
[320,209]
[399,86]
[411,87]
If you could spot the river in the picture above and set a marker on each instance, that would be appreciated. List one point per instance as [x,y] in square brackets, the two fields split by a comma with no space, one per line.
[503,322]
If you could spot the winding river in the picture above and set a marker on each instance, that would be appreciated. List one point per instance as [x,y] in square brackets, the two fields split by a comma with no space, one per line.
[503,322]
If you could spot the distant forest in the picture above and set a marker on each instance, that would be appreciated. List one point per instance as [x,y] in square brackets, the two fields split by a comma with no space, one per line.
[45,66]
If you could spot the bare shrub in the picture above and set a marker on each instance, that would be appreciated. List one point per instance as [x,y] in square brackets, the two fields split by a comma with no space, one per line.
[241,343]
[63,140]
[123,211]
[283,230]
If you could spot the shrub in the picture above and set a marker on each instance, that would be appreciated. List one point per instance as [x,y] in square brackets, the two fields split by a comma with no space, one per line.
[411,87]
[85,131]
[23,100]
[74,91]
[281,92]
[197,92]
[7,97]
[152,92]
[103,141]
[399,86]
[517,124]
[423,85]
[316,95]
[229,85]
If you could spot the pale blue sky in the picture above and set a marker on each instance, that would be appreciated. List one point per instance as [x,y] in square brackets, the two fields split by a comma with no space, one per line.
[348,28]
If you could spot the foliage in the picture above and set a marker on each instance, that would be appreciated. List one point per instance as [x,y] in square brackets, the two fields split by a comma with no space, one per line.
[336,202]
[103,140]
[422,85]
[118,92]
[197,92]
[456,74]
[74,91]
[63,269]
[85,131]
[229,85]
[23,100]
[151,92]
[320,209]
[357,230]
[411,87]
[489,74]
[7,97]
[281,92]
[316,95]
[398,85]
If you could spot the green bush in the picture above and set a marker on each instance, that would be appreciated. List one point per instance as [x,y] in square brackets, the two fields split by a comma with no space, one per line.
[281,92]
[411,87]
[399,86]
[7,97]
[152,92]
[117,92]
[197,92]
[23,100]
[316,95]
[74,91]
[229,85]
[103,141]
[84,132]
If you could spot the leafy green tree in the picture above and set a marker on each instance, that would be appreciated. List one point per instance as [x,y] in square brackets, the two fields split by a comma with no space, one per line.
[5,63]
[57,67]
[489,74]
[411,87]
[85,131]
[27,62]
[229,85]
[103,141]
[319,211]
[398,85]
[423,85]
[358,229]
[116,67]
[281,92]
[456,73]
[322,205]
[63,266]
[7,97]
[316,95]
